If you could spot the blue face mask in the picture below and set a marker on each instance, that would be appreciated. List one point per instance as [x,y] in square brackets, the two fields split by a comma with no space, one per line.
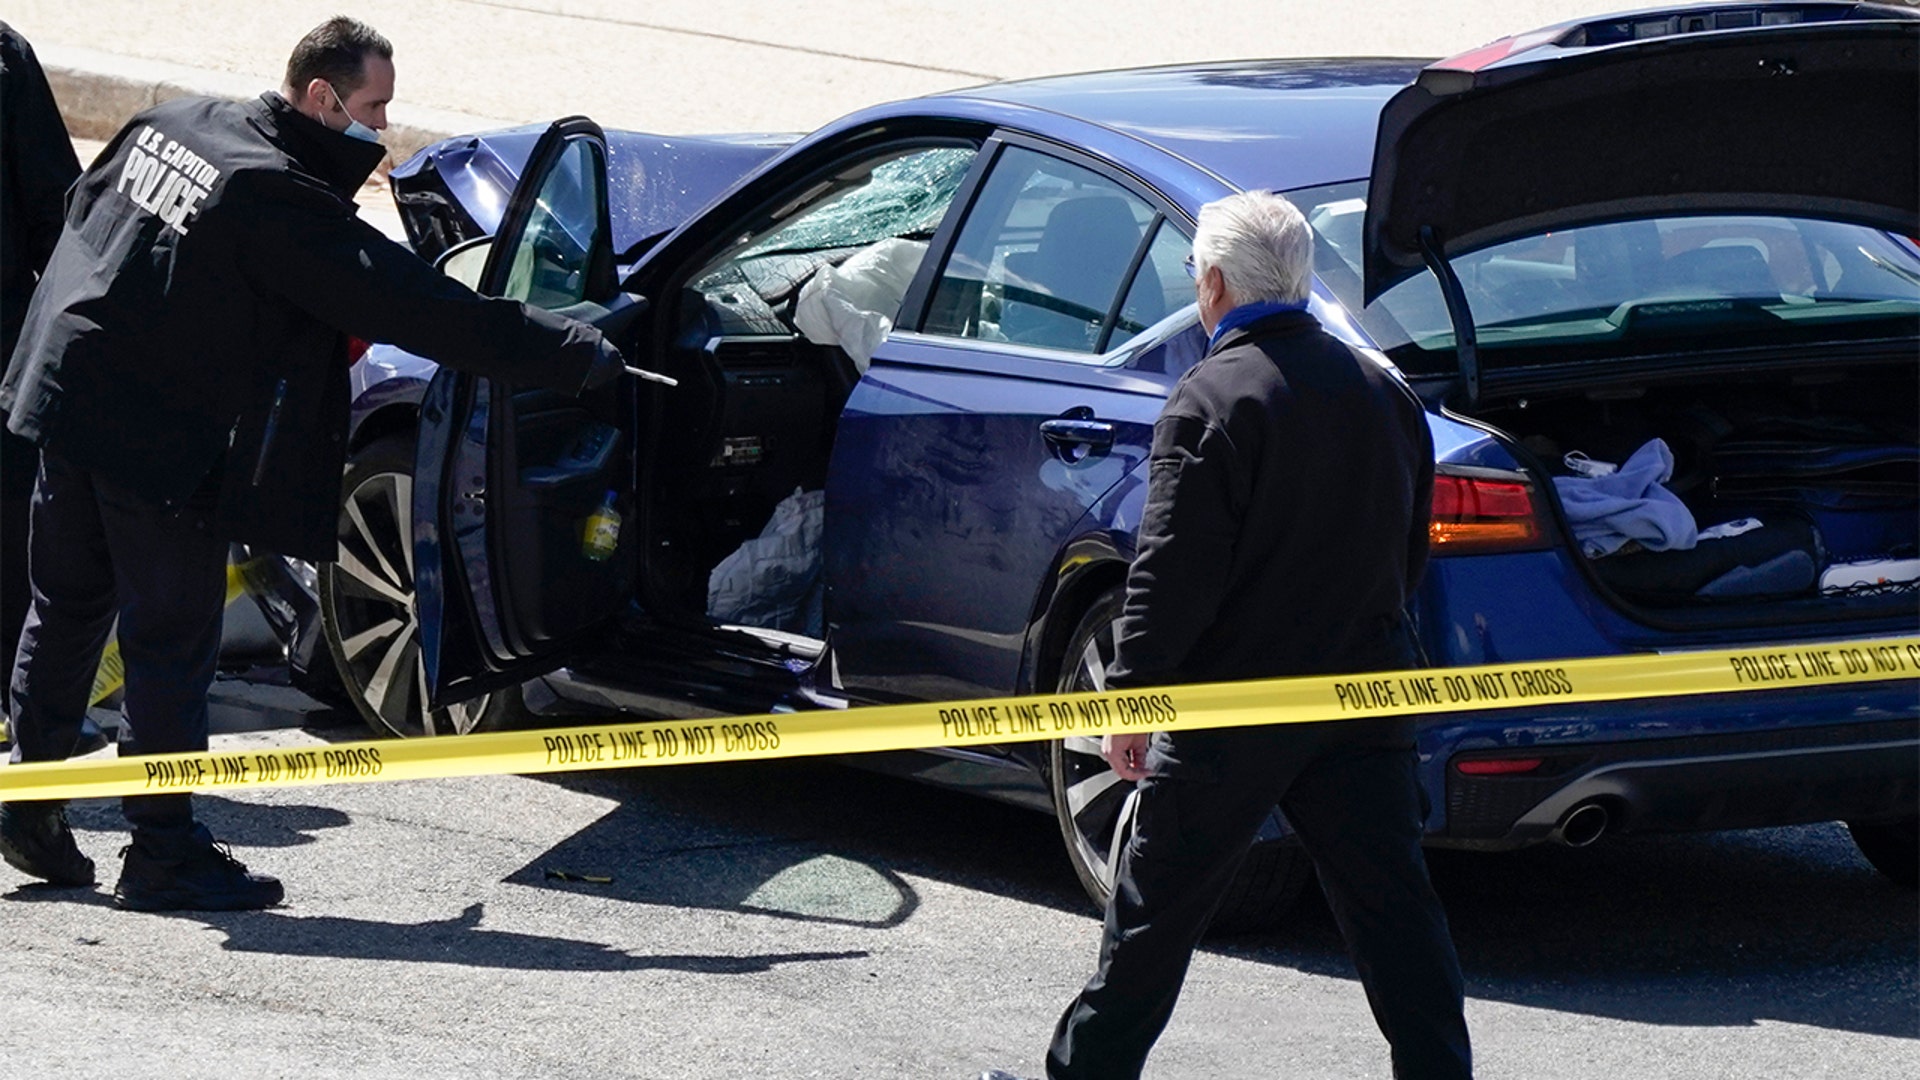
[354,127]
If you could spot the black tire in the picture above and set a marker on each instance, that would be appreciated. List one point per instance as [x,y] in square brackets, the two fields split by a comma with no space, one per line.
[1893,847]
[1095,808]
[367,612]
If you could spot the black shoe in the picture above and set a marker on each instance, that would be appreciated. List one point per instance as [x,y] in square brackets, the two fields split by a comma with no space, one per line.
[184,870]
[35,839]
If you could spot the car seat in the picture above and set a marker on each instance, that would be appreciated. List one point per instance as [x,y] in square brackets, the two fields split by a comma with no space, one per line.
[1729,270]
[1057,295]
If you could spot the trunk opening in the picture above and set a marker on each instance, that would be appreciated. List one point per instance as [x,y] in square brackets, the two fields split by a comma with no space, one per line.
[1825,459]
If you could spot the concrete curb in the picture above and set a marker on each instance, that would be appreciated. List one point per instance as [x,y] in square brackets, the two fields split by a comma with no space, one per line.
[99,92]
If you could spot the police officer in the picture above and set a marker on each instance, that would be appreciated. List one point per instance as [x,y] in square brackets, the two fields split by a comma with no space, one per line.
[184,371]
[1290,485]
[37,164]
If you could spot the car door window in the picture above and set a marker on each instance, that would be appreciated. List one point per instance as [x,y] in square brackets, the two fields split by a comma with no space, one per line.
[1041,256]
[549,259]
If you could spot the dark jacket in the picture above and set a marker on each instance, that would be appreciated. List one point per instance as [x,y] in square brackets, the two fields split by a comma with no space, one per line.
[195,315]
[36,166]
[1289,491]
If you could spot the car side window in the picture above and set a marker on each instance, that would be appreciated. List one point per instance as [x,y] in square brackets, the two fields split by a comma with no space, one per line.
[1160,287]
[549,258]
[1041,257]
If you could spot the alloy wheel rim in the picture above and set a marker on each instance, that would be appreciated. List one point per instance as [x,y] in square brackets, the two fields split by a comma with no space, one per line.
[373,609]
[1099,802]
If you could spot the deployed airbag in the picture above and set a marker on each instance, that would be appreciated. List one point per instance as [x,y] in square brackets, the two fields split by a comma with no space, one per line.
[853,305]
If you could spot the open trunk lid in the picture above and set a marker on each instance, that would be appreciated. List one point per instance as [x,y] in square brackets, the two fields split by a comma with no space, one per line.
[1806,109]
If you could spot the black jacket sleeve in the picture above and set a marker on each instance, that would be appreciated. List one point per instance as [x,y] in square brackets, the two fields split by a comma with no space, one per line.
[1419,536]
[1196,495]
[39,161]
[350,276]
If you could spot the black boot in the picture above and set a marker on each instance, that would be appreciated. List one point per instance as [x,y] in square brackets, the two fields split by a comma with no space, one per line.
[184,870]
[35,839]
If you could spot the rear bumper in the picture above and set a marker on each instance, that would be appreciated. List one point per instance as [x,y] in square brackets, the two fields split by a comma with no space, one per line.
[1769,774]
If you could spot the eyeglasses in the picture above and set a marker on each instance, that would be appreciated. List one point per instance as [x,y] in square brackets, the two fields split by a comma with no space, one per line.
[1193,268]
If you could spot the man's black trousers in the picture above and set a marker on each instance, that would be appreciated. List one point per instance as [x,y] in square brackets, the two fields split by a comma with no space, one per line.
[97,550]
[1352,797]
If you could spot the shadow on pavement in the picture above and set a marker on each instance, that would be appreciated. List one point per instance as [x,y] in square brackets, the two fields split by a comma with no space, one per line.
[734,838]
[805,840]
[457,940]
[779,878]
[39,892]
[1730,929]
[244,825]
[1719,930]
[1712,930]
[461,940]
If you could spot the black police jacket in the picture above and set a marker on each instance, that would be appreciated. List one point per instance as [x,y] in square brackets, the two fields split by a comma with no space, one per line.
[36,166]
[1288,496]
[193,320]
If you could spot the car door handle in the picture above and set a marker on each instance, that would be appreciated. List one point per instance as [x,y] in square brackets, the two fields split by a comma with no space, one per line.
[1076,431]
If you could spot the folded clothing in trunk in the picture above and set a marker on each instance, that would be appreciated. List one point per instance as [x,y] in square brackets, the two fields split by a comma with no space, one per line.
[1612,507]
[1778,558]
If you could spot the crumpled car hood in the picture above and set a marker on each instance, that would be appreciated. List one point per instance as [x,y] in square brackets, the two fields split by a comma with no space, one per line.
[655,182]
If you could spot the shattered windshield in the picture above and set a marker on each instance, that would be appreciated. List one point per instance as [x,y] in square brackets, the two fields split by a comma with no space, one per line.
[905,196]
[1743,279]
[893,195]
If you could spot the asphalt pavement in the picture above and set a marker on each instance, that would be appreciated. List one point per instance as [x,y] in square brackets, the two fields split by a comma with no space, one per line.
[802,919]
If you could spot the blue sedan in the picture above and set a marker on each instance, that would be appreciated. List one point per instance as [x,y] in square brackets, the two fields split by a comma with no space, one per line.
[917,356]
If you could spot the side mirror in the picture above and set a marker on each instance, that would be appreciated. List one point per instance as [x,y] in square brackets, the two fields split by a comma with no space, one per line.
[464,262]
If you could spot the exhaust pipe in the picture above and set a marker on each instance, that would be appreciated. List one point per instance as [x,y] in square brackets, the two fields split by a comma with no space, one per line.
[1582,825]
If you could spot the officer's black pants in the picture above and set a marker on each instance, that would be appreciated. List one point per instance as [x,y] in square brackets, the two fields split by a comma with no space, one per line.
[97,550]
[17,468]
[1355,804]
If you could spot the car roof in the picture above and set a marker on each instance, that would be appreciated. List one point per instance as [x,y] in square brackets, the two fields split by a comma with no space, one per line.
[1256,124]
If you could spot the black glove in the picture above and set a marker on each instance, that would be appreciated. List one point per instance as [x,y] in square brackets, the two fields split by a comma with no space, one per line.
[607,367]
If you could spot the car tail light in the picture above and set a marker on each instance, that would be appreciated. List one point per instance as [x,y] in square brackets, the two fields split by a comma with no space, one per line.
[1498,766]
[356,349]
[1475,515]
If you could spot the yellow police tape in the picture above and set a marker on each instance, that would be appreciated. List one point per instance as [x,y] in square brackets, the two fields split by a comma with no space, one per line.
[1021,718]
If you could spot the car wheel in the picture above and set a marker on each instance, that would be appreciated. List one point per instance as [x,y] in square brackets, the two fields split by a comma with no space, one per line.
[1893,847]
[366,605]
[1095,807]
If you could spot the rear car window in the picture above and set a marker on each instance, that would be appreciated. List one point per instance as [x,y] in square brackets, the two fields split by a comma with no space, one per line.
[1631,286]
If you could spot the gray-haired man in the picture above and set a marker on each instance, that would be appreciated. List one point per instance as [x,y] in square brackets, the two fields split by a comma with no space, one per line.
[1289,491]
